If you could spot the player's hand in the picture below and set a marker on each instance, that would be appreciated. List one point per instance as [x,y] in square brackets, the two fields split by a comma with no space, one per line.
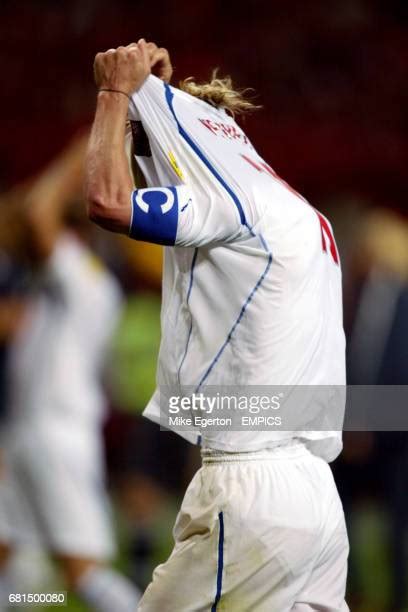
[160,63]
[124,68]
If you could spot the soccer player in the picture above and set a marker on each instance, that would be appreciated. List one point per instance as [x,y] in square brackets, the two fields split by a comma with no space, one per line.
[251,296]
[53,488]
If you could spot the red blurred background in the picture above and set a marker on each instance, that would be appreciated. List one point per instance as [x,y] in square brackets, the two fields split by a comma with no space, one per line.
[331,76]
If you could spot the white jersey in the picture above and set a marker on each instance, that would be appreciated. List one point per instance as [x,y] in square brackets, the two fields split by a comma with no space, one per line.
[57,356]
[252,279]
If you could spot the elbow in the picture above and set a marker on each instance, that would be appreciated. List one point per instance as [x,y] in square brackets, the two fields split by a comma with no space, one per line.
[112,216]
[97,209]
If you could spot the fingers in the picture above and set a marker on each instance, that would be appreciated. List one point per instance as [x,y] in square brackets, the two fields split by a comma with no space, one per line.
[141,57]
[124,68]
[159,59]
[151,46]
[145,57]
[158,56]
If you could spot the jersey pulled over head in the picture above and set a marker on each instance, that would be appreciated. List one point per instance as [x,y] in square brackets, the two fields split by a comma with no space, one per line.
[252,279]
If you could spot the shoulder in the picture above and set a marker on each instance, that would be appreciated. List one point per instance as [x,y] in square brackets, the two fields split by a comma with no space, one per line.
[77,266]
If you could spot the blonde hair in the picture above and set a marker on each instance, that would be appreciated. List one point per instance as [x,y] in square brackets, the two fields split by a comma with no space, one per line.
[220,93]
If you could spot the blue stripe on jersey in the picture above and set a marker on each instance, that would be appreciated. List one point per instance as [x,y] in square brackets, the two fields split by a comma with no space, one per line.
[196,149]
[155,215]
[187,300]
[169,98]
[220,567]
[238,321]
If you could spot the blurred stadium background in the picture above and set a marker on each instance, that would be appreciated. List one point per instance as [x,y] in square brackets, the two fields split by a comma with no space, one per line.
[332,79]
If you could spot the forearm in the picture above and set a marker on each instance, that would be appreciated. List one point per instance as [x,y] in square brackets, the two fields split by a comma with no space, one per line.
[108,183]
[60,181]
[50,193]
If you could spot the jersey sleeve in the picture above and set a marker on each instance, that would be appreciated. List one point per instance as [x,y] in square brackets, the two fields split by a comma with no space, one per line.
[195,208]
[180,216]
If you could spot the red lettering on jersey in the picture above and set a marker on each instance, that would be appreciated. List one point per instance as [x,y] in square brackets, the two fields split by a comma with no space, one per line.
[213,127]
[252,162]
[234,132]
[261,166]
[326,232]
[225,130]
[327,235]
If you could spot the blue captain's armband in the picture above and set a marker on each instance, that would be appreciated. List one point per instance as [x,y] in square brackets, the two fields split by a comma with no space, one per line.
[155,213]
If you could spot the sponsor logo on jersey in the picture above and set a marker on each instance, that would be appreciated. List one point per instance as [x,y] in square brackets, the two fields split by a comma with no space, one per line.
[175,166]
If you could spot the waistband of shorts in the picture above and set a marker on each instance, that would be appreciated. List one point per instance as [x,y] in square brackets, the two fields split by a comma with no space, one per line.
[285,449]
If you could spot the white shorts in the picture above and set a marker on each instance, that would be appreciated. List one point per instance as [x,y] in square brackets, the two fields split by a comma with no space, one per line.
[256,532]
[52,493]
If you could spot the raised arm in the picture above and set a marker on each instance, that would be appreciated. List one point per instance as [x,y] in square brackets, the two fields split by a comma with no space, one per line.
[31,213]
[187,214]
[47,197]
[108,183]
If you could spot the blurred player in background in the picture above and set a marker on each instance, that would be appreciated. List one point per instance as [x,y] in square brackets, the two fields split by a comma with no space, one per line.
[53,489]
[251,296]
[378,355]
